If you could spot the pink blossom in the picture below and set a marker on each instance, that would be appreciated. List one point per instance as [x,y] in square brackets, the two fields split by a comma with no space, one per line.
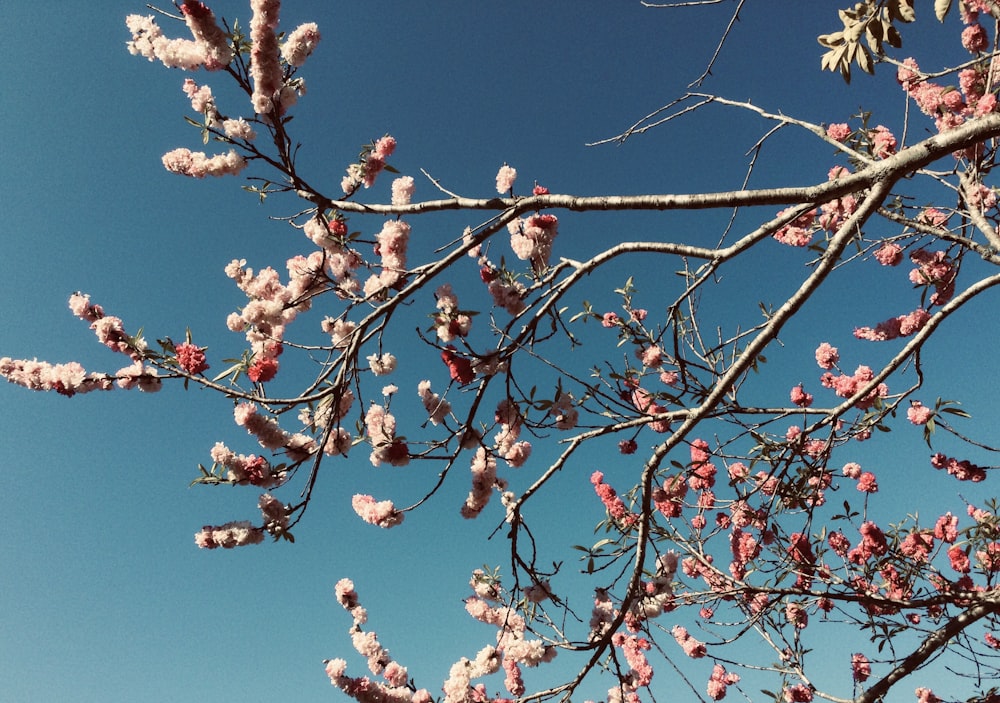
[796,615]
[798,693]
[800,397]
[917,546]
[889,254]
[692,647]
[239,129]
[826,356]
[437,408]
[882,141]
[852,470]
[861,668]
[975,39]
[988,558]
[614,505]
[531,238]
[148,41]
[918,413]
[265,64]
[652,357]
[963,470]
[925,695]
[609,319]
[959,560]
[627,446]
[381,513]
[505,179]
[799,232]
[838,132]
[719,681]
[867,482]
[902,326]
[946,528]
[839,543]
[145,378]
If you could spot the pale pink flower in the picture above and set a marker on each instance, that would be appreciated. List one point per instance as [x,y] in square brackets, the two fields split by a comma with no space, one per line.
[437,408]
[505,179]
[652,357]
[402,190]
[300,44]
[719,681]
[852,470]
[228,536]
[381,513]
[239,129]
[484,473]
[210,37]
[265,63]
[382,365]
[197,165]
[148,41]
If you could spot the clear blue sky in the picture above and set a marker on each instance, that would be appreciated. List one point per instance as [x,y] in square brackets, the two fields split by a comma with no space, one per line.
[104,596]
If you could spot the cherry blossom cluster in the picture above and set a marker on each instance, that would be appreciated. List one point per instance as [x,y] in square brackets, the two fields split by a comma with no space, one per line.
[381,513]
[484,478]
[272,307]
[369,165]
[240,469]
[719,681]
[391,245]
[437,407]
[66,379]
[612,503]
[509,444]
[394,686]
[210,47]
[380,426]
[233,534]
[298,447]
[846,386]
[829,216]
[450,321]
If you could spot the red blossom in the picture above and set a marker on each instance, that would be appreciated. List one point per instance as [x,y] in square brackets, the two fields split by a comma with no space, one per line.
[459,367]
[263,369]
[191,358]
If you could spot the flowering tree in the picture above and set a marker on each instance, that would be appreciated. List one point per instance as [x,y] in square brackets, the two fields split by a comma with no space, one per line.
[731,528]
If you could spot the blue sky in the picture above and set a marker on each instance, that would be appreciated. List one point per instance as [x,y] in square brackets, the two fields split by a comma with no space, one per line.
[105,597]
